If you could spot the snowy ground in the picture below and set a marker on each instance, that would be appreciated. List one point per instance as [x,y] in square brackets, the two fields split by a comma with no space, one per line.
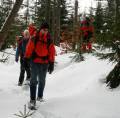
[74,90]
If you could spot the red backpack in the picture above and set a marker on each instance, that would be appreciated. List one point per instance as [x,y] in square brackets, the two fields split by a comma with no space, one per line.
[42,43]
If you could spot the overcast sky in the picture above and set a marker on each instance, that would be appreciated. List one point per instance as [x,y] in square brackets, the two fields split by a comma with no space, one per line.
[84,4]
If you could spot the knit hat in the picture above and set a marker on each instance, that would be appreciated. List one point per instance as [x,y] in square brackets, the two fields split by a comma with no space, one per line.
[44,25]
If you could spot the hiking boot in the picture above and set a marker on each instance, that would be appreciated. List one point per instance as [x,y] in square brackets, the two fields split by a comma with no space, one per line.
[32,105]
[40,99]
[28,78]
[19,84]
[27,82]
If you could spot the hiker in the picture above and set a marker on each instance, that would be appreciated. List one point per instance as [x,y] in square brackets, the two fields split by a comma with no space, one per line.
[18,39]
[87,34]
[24,66]
[41,51]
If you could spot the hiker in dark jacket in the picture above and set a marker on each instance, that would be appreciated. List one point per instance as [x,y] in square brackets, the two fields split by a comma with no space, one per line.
[24,66]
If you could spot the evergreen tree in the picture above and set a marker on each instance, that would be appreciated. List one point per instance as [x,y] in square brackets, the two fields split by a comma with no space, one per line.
[99,18]
[54,12]
[40,12]
[110,38]
[63,12]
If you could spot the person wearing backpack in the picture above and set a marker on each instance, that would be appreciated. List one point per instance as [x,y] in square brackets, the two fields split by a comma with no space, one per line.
[41,51]
[87,30]
[24,66]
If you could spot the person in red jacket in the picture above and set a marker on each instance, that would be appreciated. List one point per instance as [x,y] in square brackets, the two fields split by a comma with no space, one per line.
[87,33]
[41,51]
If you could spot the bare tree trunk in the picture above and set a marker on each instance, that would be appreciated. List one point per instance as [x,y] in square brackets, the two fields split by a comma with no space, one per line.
[58,10]
[48,10]
[75,24]
[56,21]
[6,26]
[76,36]
[27,13]
[53,20]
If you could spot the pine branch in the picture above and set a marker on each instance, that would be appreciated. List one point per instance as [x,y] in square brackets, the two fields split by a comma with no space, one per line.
[25,114]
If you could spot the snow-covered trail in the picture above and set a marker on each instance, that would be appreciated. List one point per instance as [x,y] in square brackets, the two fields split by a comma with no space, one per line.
[74,90]
[77,92]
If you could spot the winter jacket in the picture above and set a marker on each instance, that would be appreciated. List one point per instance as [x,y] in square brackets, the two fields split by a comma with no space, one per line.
[86,30]
[32,47]
[20,51]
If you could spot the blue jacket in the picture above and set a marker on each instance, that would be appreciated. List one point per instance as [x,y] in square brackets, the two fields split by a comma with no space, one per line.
[20,51]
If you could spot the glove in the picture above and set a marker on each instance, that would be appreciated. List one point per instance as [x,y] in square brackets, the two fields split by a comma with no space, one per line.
[16,59]
[51,67]
[26,59]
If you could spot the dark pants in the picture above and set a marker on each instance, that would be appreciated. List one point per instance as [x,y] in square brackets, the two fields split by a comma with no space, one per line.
[24,67]
[38,76]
